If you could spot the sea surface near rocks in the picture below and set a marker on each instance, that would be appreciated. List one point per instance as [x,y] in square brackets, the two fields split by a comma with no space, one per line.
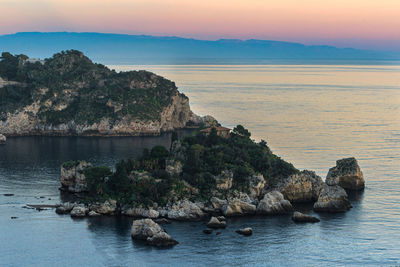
[309,115]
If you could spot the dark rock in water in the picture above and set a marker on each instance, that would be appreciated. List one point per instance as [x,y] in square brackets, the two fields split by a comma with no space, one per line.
[13,217]
[65,208]
[332,199]
[245,231]
[8,195]
[215,223]
[301,217]
[162,221]
[221,218]
[347,174]
[152,233]
[207,231]
[217,233]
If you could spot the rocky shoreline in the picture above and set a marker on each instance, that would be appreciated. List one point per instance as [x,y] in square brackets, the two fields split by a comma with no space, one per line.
[262,200]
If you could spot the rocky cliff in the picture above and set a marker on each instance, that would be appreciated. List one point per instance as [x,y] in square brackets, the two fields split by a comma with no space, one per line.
[70,95]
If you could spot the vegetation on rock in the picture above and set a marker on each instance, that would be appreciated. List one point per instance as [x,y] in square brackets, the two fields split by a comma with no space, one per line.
[69,86]
[203,157]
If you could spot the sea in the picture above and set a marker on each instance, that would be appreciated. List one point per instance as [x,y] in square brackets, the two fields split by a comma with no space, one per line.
[309,114]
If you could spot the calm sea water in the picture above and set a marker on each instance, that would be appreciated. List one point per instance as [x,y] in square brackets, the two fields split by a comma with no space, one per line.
[310,115]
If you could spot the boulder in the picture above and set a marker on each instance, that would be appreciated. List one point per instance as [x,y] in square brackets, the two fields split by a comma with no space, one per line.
[141,212]
[151,232]
[93,214]
[72,177]
[274,203]
[301,217]
[3,139]
[161,239]
[79,211]
[185,210]
[347,174]
[257,183]
[301,187]
[218,203]
[108,207]
[332,199]
[65,208]
[245,231]
[224,180]
[215,223]
[237,207]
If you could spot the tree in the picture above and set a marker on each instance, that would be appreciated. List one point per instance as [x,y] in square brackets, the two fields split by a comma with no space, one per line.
[241,131]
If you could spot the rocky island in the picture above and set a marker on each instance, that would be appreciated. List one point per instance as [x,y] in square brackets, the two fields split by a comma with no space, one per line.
[68,94]
[205,176]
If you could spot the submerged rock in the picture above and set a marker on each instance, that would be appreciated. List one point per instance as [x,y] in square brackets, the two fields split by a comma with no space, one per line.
[152,233]
[245,231]
[215,223]
[3,139]
[301,217]
[301,187]
[72,177]
[207,231]
[347,174]
[332,199]
[274,203]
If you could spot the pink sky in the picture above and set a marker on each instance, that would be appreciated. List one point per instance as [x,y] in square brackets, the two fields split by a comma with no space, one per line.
[350,23]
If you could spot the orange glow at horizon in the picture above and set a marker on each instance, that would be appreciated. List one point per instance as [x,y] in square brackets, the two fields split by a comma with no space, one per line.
[292,20]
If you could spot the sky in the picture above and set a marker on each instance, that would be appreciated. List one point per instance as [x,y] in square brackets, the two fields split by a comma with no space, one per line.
[370,24]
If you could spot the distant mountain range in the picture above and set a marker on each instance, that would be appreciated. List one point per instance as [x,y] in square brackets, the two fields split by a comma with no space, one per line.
[143,49]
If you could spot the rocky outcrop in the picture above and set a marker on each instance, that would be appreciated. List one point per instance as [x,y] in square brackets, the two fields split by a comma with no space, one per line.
[245,231]
[347,174]
[215,223]
[257,183]
[173,167]
[237,207]
[72,177]
[108,207]
[332,199]
[141,212]
[152,233]
[302,218]
[274,203]
[301,187]
[3,139]
[185,210]
[79,211]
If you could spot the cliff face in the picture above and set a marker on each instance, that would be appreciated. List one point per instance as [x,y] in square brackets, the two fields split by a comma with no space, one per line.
[70,95]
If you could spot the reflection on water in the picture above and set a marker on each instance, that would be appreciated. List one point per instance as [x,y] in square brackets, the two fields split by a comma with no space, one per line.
[310,115]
